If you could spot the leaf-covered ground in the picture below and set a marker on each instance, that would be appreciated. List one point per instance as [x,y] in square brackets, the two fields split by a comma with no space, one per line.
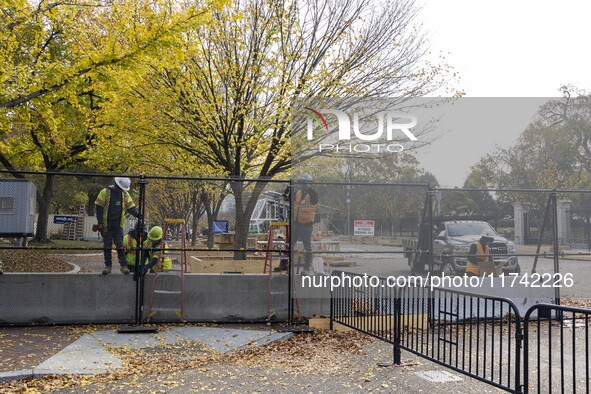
[301,355]
[32,261]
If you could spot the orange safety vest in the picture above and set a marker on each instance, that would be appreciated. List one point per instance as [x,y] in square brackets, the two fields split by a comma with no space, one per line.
[475,268]
[305,211]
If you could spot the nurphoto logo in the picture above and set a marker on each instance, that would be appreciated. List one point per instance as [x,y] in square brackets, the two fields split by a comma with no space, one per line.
[392,124]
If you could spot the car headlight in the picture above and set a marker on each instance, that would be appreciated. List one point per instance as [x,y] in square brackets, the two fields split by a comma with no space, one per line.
[510,248]
[461,249]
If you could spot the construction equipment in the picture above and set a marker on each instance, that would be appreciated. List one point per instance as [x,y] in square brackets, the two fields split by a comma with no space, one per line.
[168,284]
[280,248]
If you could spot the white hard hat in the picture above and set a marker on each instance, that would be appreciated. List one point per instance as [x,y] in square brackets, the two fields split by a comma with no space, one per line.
[123,183]
[306,177]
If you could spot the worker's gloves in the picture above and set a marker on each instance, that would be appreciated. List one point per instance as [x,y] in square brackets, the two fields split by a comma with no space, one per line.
[99,227]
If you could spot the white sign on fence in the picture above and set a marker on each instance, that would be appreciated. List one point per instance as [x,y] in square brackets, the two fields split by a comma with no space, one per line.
[364,227]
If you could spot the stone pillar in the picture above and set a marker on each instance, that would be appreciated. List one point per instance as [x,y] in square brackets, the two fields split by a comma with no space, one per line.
[519,230]
[564,216]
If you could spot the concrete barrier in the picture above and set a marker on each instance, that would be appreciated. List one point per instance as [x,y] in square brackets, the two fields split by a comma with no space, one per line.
[92,298]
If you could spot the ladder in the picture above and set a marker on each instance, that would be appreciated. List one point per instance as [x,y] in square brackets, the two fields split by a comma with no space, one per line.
[272,242]
[272,245]
[168,285]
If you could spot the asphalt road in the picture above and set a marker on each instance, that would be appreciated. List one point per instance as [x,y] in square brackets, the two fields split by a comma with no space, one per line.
[389,261]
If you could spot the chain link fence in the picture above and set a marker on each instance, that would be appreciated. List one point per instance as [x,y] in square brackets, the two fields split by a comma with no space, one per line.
[226,244]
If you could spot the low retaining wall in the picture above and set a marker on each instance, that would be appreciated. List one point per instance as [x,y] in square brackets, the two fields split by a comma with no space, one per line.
[94,298]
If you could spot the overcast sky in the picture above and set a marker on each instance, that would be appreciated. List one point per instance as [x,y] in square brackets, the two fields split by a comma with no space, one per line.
[504,48]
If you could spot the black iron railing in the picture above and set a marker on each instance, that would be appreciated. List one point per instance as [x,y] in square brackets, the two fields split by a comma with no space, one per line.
[556,348]
[474,334]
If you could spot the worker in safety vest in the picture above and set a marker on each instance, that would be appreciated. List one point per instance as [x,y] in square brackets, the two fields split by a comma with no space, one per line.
[152,253]
[112,203]
[303,218]
[478,253]
[130,245]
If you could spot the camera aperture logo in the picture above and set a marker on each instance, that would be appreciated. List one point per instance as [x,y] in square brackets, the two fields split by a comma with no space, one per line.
[392,122]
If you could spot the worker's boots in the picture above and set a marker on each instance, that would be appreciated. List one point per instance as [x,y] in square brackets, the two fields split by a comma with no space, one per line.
[107,270]
[282,266]
[124,270]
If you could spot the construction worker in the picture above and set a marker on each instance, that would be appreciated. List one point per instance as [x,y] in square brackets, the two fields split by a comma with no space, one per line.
[478,253]
[130,245]
[304,217]
[152,251]
[112,203]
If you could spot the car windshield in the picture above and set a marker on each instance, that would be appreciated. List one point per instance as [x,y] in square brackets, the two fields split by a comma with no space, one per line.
[459,229]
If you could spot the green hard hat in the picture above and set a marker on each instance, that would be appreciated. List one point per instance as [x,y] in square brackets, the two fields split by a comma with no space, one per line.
[155,233]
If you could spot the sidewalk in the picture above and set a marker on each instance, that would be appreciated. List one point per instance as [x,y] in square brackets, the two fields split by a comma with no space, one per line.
[200,359]
[38,351]
[26,347]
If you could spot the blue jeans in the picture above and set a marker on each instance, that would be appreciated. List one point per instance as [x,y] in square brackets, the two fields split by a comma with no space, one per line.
[113,234]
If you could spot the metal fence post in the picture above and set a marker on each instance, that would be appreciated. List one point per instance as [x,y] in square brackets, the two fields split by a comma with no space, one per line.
[290,273]
[519,339]
[429,207]
[397,329]
[554,197]
[139,251]
[331,309]
[139,267]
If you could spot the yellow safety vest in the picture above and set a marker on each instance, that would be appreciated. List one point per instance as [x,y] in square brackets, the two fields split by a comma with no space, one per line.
[130,245]
[163,262]
[305,211]
[104,198]
[475,268]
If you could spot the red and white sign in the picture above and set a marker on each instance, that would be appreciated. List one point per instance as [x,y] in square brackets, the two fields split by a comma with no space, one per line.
[364,227]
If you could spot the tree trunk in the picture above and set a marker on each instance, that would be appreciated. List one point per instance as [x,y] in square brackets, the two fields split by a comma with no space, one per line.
[243,215]
[44,206]
[195,219]
[90,204]
[210,217]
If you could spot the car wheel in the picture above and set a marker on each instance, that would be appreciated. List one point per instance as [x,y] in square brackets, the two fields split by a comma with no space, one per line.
[447,268]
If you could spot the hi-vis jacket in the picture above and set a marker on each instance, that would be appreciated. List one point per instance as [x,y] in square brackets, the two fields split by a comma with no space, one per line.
[156,259]
[305,210]
[104,198]
[473,266]
[130,245]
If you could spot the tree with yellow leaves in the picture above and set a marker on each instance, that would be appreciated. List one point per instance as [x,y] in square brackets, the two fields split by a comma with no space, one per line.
[229,99]
[61,62]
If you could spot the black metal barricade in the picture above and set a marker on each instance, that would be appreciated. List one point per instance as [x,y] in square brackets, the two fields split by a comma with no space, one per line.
[556,349]
[477,335]
[373,310]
